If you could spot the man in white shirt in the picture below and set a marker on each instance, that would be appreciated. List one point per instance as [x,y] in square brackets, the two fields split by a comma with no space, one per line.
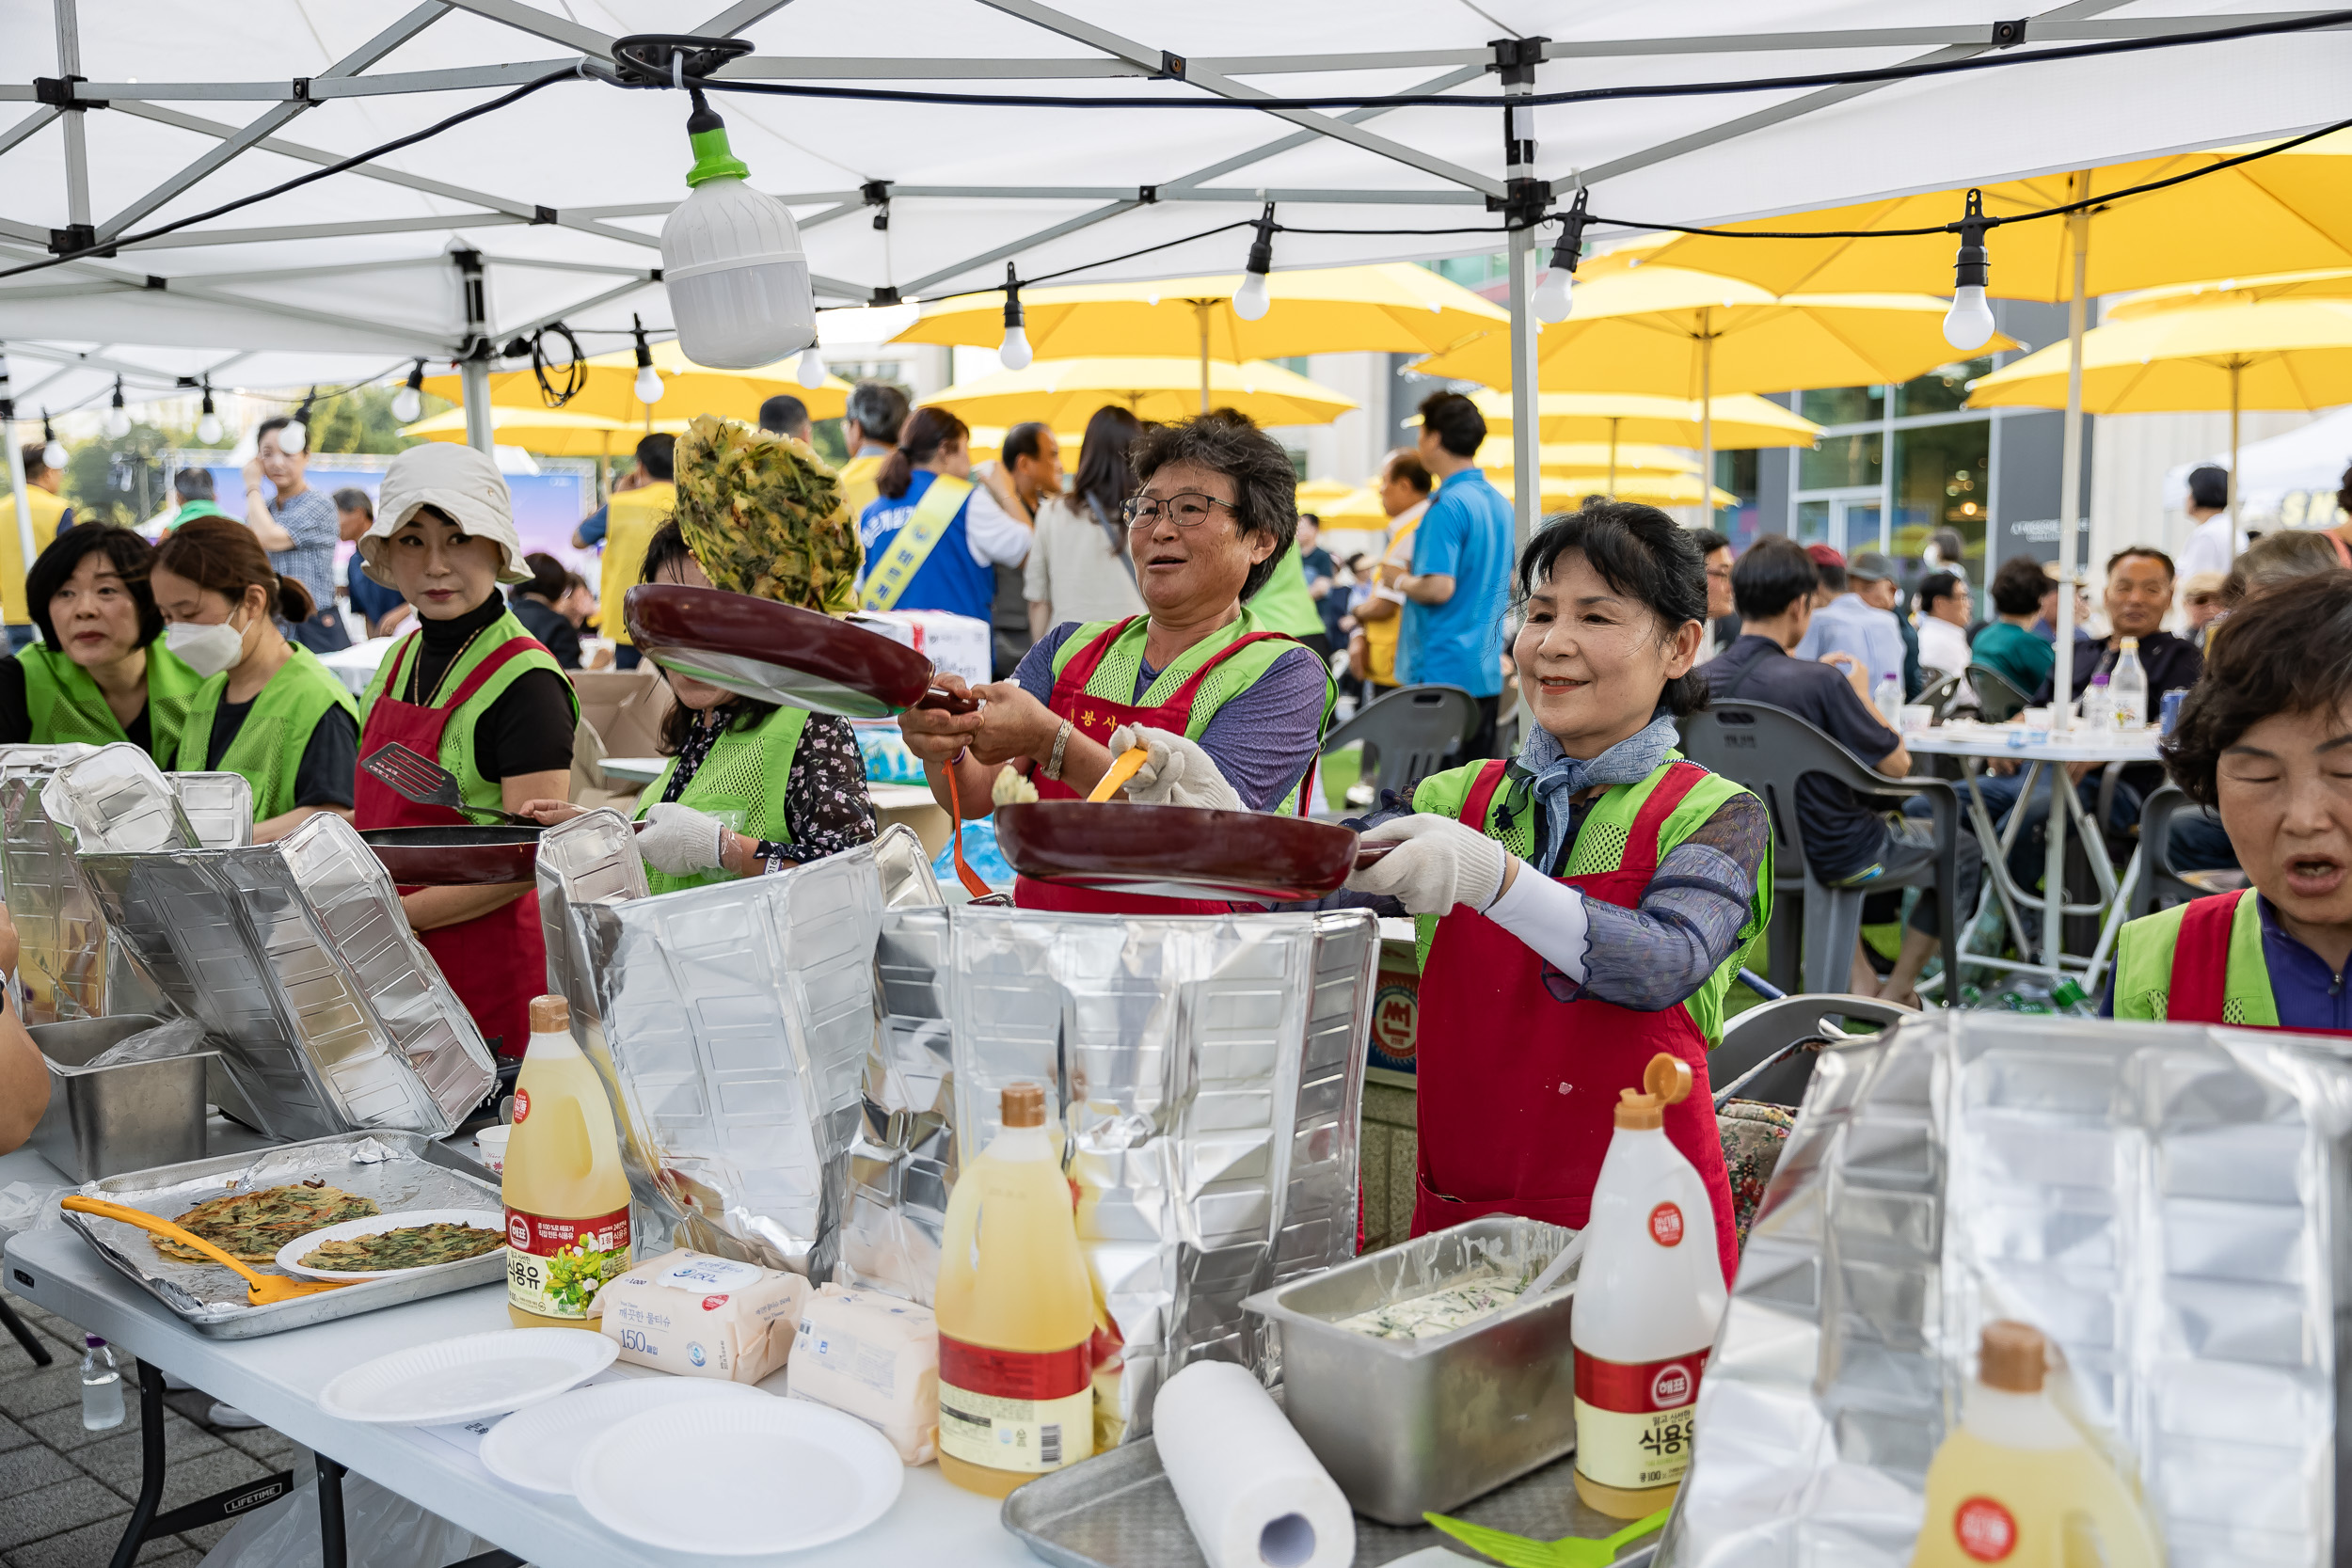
[2213,543]
[1944,611]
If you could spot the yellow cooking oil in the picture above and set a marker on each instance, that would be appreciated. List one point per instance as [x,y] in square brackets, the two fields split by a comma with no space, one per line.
[566,1196]
[1016,1313]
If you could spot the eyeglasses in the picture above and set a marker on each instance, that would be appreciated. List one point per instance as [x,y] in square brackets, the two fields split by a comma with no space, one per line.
[1186,509]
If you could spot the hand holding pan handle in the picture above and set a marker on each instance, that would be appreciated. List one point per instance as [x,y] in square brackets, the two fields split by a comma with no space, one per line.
[948,702]
[1372,854]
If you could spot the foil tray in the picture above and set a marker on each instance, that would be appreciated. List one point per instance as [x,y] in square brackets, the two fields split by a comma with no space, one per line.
[297,958]
[401,1171]
[2166,1203]
[731,1024]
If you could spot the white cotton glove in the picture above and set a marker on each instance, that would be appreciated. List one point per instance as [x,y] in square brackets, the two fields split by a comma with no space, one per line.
[1441,864]
[680,841]
[1177,773]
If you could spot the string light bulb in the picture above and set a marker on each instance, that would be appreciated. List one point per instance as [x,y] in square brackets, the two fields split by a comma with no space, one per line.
[208,423]
[648,382]
[1969,323]
[732,262]
[409,401]
[53,452]
[1013,352]
[1551,301]
[117,417]
[295,436]
[1250,300]
[810,373]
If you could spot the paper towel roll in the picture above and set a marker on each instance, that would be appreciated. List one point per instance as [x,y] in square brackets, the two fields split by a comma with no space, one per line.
[1252,1492]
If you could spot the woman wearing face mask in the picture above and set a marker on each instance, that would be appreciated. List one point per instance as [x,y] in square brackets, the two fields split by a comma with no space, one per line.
[94,675]
[473,690]
[751,787]
[268,708]
[1586,905]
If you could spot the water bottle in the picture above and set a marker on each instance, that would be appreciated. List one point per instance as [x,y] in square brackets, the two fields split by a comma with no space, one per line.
[2070,997]
[2099,704]
[1890,699]
[2127,691]
[101,1387]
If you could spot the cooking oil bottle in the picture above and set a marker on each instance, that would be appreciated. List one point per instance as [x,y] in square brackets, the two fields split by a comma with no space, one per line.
[2016,1483]
[1016,1313]
[565,1194]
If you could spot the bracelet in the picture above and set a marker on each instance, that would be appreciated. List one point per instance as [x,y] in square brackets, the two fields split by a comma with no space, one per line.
[1061,744]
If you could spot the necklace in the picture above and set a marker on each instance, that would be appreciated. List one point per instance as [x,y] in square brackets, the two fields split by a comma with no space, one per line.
[416,671]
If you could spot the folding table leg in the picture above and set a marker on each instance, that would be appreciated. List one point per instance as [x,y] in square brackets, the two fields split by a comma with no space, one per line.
[330,1513]
[151,1464]
[23,1335]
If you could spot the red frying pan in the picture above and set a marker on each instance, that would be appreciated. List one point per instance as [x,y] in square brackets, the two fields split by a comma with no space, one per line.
[1178,851]
[456,856]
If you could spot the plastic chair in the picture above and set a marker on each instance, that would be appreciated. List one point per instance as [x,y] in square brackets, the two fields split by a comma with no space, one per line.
[1408,735]
[1753,1039]
[2159,886]
[1769,749]
[1998,702]
[1944,693]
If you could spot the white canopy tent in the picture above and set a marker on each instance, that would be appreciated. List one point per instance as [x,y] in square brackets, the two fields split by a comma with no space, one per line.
[559,198]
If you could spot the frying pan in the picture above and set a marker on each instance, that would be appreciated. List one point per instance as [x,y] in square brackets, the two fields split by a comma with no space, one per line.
[456,856]
[1178,851]
[780,653]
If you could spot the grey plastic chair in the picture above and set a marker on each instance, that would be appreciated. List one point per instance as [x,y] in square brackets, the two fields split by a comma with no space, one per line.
[1409,734]
[1998,702]
[1753,1040]
[1769,749]
[2160,886]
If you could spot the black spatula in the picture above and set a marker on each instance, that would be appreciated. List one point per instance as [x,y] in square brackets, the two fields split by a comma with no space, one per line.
[417,777]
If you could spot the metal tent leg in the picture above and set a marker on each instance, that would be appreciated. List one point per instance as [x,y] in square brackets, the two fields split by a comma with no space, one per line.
[331,1552]
[151,1465]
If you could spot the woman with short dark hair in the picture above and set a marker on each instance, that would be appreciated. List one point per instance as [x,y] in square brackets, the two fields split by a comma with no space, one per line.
[94,675]
[1230,714]
[2265,738]
[1586,905]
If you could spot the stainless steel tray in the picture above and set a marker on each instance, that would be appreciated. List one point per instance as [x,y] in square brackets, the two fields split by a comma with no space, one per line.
[400,1170]
[1118,1511]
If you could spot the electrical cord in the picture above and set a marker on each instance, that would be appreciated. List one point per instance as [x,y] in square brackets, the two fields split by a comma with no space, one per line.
[575,373]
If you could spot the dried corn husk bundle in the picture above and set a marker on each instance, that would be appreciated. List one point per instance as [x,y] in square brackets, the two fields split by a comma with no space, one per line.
[763,514]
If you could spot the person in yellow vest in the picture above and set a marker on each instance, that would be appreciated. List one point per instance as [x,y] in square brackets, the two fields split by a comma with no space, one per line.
[631,517]
[2264,739]
[1405,487]
[751,787]
[96,675]
[45,501]
[268,710]
[875,416]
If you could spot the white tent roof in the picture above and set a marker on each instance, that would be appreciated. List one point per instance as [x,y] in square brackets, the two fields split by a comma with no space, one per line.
[563,195]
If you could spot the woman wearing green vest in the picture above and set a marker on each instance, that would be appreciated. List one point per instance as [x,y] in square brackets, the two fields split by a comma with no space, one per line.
[268,708]
[1230,713]
[1586,905]
[471,690]
[93,675]
[751,787]
[2265,738]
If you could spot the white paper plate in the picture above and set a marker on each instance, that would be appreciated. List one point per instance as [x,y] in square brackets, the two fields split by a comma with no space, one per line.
[536,1448]
[289,1255]
[739,1478]
[467,1378]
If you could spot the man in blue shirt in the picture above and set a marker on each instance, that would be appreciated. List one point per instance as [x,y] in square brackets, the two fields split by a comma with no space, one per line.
[1849,624]
[1459,587]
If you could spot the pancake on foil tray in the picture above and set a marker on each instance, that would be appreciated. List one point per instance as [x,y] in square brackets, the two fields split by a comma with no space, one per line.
[251,1227]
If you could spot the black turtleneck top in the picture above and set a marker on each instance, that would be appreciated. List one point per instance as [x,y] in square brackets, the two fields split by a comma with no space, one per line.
[528,730]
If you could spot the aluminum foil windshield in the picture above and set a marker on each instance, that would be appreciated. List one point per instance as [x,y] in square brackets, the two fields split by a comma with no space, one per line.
[2161,1201]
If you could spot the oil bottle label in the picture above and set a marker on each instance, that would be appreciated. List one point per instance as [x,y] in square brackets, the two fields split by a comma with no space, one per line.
[555,1267]
[1015,1410]
[1633,1426]
[1985,1530]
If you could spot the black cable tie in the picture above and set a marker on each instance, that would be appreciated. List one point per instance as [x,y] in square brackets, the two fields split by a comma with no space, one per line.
[2009,35]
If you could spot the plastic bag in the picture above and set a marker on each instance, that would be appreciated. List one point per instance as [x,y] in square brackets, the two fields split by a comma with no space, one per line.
[29,1206]
[381,1528]
[176,1037]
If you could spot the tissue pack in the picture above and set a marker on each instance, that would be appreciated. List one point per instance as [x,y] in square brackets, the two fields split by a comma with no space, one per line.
[700,1316]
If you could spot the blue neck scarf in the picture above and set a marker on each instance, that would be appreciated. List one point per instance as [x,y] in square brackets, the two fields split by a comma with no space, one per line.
[1557,777]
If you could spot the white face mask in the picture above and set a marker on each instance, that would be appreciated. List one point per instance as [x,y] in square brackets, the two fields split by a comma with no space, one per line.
[205,649]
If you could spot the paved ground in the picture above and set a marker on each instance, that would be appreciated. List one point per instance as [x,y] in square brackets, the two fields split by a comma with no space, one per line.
[66,1493]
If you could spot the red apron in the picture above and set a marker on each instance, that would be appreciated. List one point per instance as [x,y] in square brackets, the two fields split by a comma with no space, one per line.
[1518,1091]
[1095,717]
[2201,964]
[497,962]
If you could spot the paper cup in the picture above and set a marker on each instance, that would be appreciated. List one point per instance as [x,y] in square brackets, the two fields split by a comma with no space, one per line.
[490,1148]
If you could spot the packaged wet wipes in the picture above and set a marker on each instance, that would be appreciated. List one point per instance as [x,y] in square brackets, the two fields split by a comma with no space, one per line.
[876,1357]
[700,1316]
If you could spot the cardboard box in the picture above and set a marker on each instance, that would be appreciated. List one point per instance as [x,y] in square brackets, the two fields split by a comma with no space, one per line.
[699,1316]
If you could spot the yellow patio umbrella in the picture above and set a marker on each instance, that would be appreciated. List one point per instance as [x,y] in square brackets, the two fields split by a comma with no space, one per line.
[2324,283]
[2291,353]
[549,432]
[1391,307]
[1066,392]
[687,389]
[1354,506]
[1594,456]
[1565,491]
[1316,493]
[1740,420]
[988,443]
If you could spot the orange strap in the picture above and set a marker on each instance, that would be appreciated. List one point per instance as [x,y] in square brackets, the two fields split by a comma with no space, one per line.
[972,880]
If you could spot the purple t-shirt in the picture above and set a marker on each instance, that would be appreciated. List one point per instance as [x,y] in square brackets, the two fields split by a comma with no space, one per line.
[1262,739]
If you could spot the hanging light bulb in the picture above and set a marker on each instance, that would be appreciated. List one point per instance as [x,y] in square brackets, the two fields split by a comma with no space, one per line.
[732,261]
[648,384]
[117,418]
[1250,300]
[208,424]
[1551,301]
[295,436]
[1969,322]
[409,400]
[53,452]
[1013,352]
[811,370]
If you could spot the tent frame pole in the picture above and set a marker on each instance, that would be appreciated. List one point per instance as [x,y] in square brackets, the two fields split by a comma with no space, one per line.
[2069,509]
[1707,417]
[16,467]
[2237,368]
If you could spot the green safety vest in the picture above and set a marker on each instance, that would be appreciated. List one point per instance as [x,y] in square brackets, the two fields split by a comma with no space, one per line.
[457,733]
[2143,967]
[742,782]
[1283,602]
[67,706]
[1600,846]
[267,748]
